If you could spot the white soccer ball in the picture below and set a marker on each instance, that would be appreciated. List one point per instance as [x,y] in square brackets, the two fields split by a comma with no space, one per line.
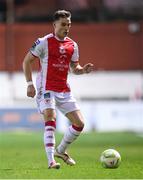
[110,158]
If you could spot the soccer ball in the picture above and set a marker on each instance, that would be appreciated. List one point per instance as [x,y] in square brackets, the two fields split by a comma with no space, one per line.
[110,158]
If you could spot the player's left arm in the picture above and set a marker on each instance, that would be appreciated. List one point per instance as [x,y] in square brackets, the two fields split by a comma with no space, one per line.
[78,69]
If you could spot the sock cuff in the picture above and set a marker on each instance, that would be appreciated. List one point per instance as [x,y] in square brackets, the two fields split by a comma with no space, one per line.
[79,129]
[50,123]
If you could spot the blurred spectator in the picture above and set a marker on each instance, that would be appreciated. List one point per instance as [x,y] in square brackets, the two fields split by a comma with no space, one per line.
[74,5]
[82,10]
[36,10]
[126,9]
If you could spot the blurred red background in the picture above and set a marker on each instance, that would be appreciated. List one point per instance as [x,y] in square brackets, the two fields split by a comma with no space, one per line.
[110,46]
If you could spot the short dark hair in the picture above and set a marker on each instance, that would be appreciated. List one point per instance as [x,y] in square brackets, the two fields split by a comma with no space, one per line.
[61,14]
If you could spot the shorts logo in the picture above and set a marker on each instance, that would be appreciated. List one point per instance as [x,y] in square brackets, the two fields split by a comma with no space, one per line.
[47,95]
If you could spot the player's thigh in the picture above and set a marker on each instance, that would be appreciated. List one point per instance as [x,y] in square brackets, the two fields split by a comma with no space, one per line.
[76,118]
[49,114]
[46,105]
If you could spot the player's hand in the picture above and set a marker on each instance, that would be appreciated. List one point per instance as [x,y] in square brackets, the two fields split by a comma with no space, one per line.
[87,68]
[31,92]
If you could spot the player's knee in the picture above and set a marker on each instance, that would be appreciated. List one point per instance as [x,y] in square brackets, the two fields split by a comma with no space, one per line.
[49,115]
[50,118]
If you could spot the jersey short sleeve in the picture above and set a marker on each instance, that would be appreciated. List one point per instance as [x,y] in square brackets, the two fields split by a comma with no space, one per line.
[75,55]
[38,47]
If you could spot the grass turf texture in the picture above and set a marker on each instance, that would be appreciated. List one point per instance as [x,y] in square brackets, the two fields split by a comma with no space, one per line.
[22,155]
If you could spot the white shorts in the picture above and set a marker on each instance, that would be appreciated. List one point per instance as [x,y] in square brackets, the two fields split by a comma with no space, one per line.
[65,102]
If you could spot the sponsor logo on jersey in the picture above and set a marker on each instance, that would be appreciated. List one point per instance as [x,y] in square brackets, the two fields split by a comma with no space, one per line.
[60,65]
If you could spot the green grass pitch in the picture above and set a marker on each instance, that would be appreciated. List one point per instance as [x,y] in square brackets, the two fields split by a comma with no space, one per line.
[22,156]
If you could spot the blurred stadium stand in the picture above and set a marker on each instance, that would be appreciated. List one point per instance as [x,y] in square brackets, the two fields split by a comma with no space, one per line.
[109,34]
[82,10]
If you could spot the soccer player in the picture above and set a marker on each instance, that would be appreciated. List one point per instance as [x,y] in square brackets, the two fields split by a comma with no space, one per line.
[57,53]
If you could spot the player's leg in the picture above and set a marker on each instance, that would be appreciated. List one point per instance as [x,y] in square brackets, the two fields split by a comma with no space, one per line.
[74,130]
[70,136]
[46,106]
[68,106]
[49,136]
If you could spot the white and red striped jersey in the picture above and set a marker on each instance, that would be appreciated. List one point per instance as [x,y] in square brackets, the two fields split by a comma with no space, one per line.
[55,56]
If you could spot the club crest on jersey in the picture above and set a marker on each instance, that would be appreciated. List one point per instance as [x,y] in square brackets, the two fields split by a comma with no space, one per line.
[62,50]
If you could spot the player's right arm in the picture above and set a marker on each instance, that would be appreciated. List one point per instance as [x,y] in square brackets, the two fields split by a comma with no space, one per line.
[28,60]
[36,51]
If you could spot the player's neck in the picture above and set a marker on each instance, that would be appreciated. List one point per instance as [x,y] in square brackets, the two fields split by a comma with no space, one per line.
[59,38]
